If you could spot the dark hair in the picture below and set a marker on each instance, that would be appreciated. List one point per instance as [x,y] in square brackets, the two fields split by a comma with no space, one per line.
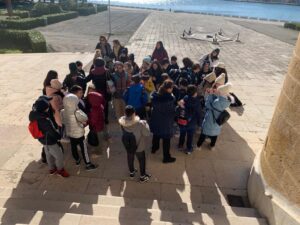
[131,57]
[75,89]
[158,66]
[103,37]
[219,71]
[52,74]
[123,58]
[187,62]
[78,63]
[174,58]
[167,84]
[165,61]
[217,50]
[129,110]
[136,78]
[165,76]
[191,90]
[117,42]
[161,45]
[196,66]
[183,82]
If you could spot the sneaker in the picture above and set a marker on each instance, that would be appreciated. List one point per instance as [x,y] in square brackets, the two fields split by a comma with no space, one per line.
[78,162]
[132,174]
[53,171]
[62,173]
[90,167]
[212,148]
[144,179]
[188,152]
[169,160]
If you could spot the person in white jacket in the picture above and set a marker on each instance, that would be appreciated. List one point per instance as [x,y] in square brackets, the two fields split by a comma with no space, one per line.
[75,120]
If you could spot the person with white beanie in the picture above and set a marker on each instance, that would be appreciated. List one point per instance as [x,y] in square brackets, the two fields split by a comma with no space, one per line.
[215,104]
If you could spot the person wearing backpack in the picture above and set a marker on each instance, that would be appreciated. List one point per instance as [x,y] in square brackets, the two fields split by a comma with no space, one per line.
[75,120]
[41,127]
[121,82]
[135,132]
[136,96]
[188,117]
[216,103]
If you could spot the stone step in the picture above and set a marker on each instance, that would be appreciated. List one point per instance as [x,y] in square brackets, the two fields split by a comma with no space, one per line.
[120,212]
[98,200]
[32,217]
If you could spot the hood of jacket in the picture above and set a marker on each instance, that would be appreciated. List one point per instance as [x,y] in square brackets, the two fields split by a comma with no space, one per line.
[71,102]
[95,99]
[35,115]
[131,125]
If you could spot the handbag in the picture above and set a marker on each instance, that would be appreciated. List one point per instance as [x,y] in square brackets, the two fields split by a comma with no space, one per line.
[92,138]
[222,118]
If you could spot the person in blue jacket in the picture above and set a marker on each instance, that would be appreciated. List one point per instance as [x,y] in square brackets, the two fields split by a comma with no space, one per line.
[136,96]
[189,114]
[162,119]
[215,103]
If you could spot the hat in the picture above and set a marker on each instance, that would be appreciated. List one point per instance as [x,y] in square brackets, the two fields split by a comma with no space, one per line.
[55,83]
[225,89]
[99,62]
[41,104]
[147,59]
[220,79]
[211,77]
[72,67]
[220,65]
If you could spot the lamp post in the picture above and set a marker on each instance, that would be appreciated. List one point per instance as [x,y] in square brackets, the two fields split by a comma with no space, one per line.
[109,20]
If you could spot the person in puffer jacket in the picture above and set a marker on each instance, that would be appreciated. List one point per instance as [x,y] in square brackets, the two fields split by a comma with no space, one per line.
[51,137]
[75,120]
[96,104]
[136,96]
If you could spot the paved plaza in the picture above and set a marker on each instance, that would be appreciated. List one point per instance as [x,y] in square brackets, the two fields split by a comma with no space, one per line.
[256,68]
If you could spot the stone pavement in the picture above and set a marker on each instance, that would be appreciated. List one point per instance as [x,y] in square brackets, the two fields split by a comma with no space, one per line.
[81,34]
[256,67]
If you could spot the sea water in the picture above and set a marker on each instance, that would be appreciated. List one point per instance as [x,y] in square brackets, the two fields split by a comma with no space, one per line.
[266,11]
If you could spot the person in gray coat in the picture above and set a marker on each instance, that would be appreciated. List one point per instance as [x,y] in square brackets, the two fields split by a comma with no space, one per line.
[135,132]
[215,103]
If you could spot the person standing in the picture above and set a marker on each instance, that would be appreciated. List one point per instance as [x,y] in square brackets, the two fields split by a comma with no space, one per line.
[135,132]
[162,119]
[216,102]
[121,82]
[105,48]
[159,53]
[74,78]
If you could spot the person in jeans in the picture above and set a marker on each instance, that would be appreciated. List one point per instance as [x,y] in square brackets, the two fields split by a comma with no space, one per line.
[216,102]
[190,107]
[53,152]
[162,119]
[139,128]
[75,120]
[121,81]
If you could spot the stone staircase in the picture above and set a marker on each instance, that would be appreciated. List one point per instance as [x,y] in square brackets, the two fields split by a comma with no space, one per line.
[34,206]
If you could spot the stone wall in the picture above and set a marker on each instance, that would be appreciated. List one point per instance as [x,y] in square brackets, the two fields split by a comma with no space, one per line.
[280,159]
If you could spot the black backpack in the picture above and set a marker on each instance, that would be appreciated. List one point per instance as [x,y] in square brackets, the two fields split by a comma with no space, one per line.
[222,118]
[129,141]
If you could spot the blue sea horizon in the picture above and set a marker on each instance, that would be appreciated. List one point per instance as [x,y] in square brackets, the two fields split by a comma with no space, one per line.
[278,12]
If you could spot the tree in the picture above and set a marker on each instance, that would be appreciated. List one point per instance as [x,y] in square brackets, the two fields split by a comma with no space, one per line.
[9,7]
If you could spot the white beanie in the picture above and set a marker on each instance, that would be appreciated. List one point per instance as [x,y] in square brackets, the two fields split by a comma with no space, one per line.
[55,83]
[220,65]
[220,79]
[211,77]
[225,89]
[147,59]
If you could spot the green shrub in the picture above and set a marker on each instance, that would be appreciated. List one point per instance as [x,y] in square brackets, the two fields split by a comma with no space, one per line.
[55,8]
[86,10]
[292,25]
[55,18]
[23,24]
[40,9]
[19,13]
[69,5]
[27,41]
[13,18]
[101,8]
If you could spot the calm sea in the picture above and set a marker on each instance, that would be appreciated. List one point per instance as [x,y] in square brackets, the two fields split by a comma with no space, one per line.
[257,10]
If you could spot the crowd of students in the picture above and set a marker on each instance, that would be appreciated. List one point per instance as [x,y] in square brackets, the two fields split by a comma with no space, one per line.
[158,97]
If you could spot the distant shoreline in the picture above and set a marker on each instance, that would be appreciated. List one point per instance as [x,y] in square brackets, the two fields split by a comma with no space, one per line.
[257,1]
[206,13]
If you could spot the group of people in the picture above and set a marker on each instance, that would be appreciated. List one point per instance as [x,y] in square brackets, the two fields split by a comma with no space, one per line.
[156,97]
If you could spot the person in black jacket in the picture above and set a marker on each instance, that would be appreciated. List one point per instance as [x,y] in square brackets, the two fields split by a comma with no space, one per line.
[50,138]
[74,78]
[162,119]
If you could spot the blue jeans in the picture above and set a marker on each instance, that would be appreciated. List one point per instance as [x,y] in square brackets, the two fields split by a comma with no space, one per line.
[189,132]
